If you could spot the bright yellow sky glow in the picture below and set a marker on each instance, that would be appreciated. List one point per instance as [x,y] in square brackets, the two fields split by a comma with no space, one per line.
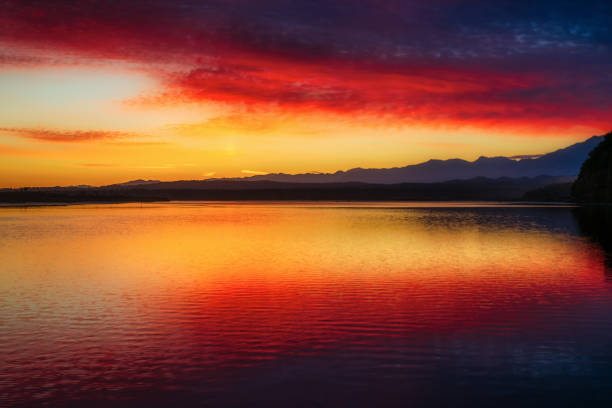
[191,141]
[99,94]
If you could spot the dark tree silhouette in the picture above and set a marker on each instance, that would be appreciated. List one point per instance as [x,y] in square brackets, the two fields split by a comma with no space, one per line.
[594,183]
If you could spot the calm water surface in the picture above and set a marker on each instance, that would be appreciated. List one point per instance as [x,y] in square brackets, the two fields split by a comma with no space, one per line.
[327,304]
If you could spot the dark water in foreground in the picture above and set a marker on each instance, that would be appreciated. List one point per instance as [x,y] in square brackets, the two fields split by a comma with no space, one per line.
[282,305]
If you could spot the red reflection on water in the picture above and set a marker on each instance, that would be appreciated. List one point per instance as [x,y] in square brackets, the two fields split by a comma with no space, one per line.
[118,298]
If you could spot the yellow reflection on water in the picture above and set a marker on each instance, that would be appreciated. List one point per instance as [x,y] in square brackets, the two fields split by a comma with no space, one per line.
[128,296]
[159,245]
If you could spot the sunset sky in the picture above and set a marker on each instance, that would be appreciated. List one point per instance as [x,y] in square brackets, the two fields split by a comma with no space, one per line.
[100,92]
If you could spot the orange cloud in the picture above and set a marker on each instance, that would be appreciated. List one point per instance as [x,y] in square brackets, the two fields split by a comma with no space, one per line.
[253,172]
[48,135]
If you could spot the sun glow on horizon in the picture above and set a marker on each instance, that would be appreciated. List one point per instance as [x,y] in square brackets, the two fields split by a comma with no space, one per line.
[152,95]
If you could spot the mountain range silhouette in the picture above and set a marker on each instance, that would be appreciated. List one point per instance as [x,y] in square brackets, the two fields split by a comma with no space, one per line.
[542,178]
[562,162]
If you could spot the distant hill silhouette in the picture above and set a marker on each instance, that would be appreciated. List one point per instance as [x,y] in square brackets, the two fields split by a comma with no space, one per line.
[542,178]
[480,188]
[133,183]
[558,192]
[594,183]
[563,162]
[477,189]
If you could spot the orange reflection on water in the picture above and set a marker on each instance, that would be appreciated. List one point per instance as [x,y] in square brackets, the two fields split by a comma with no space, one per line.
[128,294]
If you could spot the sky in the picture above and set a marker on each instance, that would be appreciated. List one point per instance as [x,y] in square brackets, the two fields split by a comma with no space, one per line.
[100,92]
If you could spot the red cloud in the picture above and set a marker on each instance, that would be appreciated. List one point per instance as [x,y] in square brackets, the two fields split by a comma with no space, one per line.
[390,64]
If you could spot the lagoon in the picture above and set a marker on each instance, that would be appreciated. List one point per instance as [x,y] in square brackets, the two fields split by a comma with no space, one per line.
[304,304]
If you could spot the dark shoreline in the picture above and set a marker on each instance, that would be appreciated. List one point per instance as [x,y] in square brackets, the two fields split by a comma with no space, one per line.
[477,189]
[517,203]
